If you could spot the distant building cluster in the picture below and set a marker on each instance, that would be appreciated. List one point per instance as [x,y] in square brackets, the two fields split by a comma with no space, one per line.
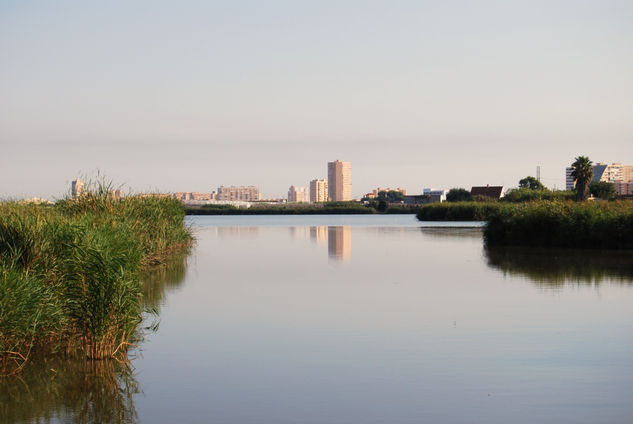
[241,193]
[192,195]
[338,187]
[374,193]
[298,194]
[621,176]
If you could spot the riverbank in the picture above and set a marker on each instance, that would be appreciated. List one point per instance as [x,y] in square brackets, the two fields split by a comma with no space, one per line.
[596,225]
[69,273]
[460,211]
[325,208]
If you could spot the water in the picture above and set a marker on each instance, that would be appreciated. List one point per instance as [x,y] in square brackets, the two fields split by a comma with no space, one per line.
[361,319]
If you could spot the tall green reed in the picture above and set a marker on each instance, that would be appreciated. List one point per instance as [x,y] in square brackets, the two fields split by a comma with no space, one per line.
[69,274]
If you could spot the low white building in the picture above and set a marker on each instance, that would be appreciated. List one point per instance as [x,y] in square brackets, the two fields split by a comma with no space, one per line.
[436,192]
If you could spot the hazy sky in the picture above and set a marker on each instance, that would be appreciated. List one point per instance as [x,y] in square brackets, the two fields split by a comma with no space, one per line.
[190,95]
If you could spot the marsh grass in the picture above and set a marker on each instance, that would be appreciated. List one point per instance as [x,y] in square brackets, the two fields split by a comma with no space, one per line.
[544,223]
[460,211]
[69,274]
[595,225]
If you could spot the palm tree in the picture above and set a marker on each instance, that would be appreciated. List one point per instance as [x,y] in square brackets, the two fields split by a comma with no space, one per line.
[582,171]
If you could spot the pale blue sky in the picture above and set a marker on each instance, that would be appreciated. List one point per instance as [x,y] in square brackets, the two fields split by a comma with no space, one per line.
[187,96]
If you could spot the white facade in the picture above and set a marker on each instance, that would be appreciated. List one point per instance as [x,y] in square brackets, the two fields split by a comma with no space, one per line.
[436,192]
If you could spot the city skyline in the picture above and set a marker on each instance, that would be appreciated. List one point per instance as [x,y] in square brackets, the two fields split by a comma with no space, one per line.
[166,97]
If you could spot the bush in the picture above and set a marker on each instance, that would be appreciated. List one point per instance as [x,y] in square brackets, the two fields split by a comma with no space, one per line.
[529,195]
[458,195]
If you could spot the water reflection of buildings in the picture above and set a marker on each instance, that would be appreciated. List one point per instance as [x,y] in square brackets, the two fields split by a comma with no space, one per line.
[319,234]
[339,243]
[301,233]
[240,231]
[339,240]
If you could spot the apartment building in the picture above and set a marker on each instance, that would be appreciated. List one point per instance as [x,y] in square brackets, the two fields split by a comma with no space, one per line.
[339,179]
[318,191]
[297,194]
[241,193]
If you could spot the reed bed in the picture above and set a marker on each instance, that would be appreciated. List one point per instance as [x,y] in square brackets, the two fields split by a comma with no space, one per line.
[69,273]
[459,211]
[596,225]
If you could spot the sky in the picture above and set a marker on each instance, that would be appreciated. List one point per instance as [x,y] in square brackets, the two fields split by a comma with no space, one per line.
[190,95]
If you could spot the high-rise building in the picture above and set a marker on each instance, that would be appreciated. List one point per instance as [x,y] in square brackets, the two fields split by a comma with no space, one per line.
[77,189]
[241,193]
[624,188]
[570,184]
[318,191]
[339,180]
[297,194]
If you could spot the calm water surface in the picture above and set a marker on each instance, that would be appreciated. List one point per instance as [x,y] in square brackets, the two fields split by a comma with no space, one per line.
[361,319]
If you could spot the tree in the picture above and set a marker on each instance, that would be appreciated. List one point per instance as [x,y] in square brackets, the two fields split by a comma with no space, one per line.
[458,195]
[531,183]
[602,190]
[390,196]
[582,171]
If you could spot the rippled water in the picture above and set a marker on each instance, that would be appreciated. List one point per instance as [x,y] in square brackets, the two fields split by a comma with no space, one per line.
[360,319]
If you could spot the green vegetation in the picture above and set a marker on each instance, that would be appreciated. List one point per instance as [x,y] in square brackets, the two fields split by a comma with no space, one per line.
[602,190]
[563,224]
[531,183]
[392,196]
[582,171]
[458,195]
[69,273]
[544,223]
[517,195]
[459,211]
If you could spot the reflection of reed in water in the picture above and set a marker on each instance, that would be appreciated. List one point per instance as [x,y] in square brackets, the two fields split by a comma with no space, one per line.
[464,232]
[76,390]
[157,281]
[556,267]
[70,390]
[339,243]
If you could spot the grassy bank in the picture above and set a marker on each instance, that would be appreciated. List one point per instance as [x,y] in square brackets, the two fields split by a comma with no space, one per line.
[69,273]
[326,208]
[597,225]
[459,211]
